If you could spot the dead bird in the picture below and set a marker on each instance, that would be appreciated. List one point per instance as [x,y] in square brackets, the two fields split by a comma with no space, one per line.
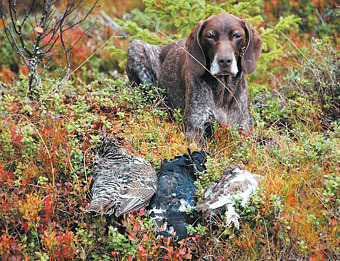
[173,206]
[235,184]
[123,182]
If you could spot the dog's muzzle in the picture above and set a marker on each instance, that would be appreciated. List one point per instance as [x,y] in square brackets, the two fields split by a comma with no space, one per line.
[224,64]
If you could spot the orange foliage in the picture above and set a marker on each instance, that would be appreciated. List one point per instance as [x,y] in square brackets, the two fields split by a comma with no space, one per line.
[294,3]
[291,199]
[6,75]
[9,247]
[23,70]
[275,3]
[3,24]
[60,244]
[118,7]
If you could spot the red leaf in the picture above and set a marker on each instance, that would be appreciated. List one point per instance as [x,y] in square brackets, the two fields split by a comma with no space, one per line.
[182,251]
[146,237]
[135,227]
[132,237]
[25,226]
[142,212]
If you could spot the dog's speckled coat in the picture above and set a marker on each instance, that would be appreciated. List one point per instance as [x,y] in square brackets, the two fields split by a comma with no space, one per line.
[223,45]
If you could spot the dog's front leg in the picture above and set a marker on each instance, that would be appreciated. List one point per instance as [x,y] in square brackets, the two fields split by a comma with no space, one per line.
[196,115]
[195,134]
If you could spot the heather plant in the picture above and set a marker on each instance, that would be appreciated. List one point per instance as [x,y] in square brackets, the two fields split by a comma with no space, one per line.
[319,18]
[46,156]
[307,96]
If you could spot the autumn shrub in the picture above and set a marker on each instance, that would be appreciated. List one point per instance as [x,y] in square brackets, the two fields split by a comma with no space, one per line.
[44,176]
[80,40]
[41,163]
[319,19]
[46,156]
[307,96]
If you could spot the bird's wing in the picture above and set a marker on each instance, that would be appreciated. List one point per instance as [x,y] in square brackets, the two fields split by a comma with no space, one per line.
[134,199]
[102,206]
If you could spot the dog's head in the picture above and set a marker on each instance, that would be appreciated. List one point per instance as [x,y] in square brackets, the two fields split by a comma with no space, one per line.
[225,44]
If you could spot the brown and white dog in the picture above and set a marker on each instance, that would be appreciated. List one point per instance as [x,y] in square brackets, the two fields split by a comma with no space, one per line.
[204,74]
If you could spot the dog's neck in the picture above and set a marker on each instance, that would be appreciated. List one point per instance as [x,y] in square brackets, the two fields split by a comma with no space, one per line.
[224,87]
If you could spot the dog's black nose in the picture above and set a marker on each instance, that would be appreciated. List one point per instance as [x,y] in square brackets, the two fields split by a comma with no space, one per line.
[225,60]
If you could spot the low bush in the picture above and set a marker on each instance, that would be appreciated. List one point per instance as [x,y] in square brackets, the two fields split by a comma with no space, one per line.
[307,96]
[46,156]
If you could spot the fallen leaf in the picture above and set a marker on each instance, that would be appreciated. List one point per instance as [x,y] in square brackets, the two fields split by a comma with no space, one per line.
[39,30]
[3,24]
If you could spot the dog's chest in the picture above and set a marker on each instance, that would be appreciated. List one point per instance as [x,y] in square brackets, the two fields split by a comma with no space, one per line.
[220,94]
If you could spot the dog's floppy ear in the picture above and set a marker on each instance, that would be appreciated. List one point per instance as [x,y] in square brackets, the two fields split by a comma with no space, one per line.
[252,49]
[196,56]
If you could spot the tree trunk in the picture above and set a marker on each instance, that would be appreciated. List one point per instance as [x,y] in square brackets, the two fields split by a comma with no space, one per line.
[34,78]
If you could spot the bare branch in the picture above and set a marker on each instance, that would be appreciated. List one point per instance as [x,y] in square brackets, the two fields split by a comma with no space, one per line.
[325,14]
[27,13]
[68,63]
[85,17]
[48,28]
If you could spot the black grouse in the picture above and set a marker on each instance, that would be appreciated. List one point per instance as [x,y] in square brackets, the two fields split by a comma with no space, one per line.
[172,207]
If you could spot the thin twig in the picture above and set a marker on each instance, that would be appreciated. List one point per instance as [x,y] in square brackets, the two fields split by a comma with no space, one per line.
[265,226]
[321,201]
[43,141]
[88,58]
[87,184]
[297,48]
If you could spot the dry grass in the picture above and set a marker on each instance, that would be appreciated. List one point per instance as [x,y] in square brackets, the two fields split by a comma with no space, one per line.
[46,156]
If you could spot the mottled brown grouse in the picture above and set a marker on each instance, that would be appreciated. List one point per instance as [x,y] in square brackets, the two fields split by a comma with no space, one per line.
[123,182]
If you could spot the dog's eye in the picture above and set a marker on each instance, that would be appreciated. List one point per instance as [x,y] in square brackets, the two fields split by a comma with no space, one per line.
[210,35]
[237,35]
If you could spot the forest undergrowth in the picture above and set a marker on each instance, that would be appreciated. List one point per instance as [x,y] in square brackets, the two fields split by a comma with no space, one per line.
[46,146]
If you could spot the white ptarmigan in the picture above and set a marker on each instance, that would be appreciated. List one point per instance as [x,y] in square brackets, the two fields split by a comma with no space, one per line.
[123,182]
[235,184]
